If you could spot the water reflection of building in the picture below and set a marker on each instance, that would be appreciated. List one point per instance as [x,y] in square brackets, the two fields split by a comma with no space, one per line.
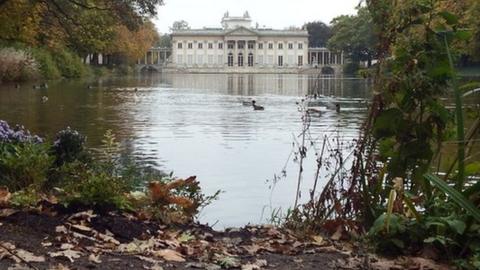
[273,84]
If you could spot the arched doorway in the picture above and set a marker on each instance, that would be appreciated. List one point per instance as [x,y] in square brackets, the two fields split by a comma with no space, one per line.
[230,59]
[250,59]
[240,59]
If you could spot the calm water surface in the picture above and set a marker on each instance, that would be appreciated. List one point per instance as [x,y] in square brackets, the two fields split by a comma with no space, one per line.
[196,124]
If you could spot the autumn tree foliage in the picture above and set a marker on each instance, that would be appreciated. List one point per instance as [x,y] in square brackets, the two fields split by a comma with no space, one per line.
[82,26]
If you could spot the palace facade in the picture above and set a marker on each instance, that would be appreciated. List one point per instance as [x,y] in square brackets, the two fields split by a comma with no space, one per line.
[239,46]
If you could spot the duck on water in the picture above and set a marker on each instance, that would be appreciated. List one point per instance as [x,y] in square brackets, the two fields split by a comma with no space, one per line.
[257,107]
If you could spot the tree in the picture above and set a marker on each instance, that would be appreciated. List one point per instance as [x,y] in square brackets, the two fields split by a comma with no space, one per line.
[82,25]
[128,46]
[165,41]
[318,33]
[180,25]
[355,36]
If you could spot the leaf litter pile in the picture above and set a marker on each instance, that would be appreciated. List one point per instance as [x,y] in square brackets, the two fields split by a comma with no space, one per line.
[52,237]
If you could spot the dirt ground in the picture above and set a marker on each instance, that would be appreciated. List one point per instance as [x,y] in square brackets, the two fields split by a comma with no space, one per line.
[40,236]
[86,240]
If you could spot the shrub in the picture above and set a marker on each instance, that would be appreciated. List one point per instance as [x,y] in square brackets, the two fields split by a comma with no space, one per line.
[69,145]
[70,65]
[351,68]
[97,190]
[24,165]
[48,67]
[17,65]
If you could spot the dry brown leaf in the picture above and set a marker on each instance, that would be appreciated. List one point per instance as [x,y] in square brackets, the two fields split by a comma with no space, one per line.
[107,238]
[85,215]
[7,212]
[66,246]
[169,255]
[28,256]
[94,258]
[69,254]
[5,196]
[61,229]
[252,249]
[82,228]
[318,240]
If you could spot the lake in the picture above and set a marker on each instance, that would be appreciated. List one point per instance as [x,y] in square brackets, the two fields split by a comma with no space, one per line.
[196,124]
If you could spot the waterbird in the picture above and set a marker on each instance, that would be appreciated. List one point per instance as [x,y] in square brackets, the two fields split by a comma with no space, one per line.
[89,86]
[257,107]
[44,99]
[17,85]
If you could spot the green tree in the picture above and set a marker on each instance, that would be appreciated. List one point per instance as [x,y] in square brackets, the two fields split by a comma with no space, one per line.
[318,33]
[355,36]
[165,41]
[180,25]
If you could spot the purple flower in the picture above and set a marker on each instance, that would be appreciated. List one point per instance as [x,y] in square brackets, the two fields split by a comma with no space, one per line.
[16,135]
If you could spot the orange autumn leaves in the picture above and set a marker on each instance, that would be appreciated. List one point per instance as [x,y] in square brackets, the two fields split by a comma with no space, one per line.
[163,193]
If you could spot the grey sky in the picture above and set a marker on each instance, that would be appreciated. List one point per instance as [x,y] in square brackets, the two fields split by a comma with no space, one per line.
[271,13]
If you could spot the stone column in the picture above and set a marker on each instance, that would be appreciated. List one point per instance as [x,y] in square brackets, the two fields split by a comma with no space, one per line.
[146,58]
[235,53]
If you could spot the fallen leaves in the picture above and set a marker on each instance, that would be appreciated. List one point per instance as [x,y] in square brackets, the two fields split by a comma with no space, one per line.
[8,250]
[169,255]
[258,264]
[5,196]
[69,254]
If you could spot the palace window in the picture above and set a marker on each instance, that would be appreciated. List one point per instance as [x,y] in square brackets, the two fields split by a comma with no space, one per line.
[260,46]
[220,59]
[179,45]
[179,59]
[260,59]
[190,45]
[210,45]
[189,59]
[200,45]
[300,46]
[280,46]
[290,60]
[251,45]
[220,46]
[280,60]
[210,59]
[250,59]
[231,45]
[290,46]
[200,59]
[240,59]
[241,45]
[230,59]
[300,60]
[270,46]
[270,59]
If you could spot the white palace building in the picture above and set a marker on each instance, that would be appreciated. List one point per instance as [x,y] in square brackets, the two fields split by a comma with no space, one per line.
[238,46]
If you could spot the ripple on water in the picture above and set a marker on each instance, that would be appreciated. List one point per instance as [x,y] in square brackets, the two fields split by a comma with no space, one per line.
[196,124]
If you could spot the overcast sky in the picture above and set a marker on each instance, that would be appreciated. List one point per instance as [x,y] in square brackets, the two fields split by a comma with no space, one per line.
[271,13]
